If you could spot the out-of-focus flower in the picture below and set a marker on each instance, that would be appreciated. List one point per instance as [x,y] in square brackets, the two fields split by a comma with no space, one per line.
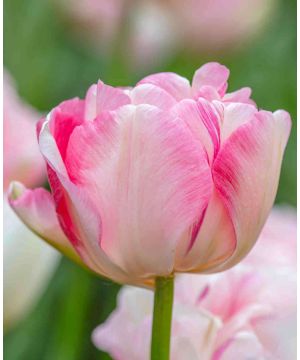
[21,150]
[246,312]
[148,31]
[97,21]
[161,178]
[28,263]
[218,25]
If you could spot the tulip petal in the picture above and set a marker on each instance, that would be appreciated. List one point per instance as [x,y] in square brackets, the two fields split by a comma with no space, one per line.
[177,86]
[62,121]
[246,174]
[110,98]
[214,243]
[242,95]
[37,210]
[152,95]
[156,165]
[101,97]
[211,74]
[242,343]
[90,109]
[234,115]
[71,203]
[203,121]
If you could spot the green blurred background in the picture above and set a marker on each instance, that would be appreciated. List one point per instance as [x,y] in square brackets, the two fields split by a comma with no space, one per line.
[49,66]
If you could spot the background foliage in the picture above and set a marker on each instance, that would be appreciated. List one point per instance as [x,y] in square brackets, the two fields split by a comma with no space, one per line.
[49,67]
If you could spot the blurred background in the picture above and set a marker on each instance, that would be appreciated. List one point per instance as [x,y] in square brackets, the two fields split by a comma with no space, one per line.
[54,49]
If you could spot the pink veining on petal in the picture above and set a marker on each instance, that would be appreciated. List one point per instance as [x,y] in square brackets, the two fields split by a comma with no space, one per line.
[210,120]
[195,230]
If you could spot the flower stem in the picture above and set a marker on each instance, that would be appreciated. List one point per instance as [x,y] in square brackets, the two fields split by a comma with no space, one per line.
[162,318]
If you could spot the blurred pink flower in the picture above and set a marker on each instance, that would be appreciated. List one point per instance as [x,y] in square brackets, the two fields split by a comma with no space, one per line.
[219,25]
[22,158]
[246,312]
[28,263]
[147,30]
[163,165]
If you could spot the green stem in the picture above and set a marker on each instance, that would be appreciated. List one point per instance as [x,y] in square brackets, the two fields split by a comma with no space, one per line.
[162,318]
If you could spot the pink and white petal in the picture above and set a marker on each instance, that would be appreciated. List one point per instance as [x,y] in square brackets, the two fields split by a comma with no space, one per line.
[235,115]
[211,74]
[131,321]
[278,333]
[76,214]
[194,332]
[244,345]
[90,109]
[110,98]
[203,121]
[157,164]
[36,209]
[82,223]
[246,174]
[177,86]
[213,244]
[242,95]
[152,95]
[208,92]
[61,121]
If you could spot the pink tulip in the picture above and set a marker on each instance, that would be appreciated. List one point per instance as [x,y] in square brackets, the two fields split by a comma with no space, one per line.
[248,312]
[161,178]
[21,151]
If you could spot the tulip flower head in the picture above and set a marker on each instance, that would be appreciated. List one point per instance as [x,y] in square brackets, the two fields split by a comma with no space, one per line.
[241,313]
[161,178]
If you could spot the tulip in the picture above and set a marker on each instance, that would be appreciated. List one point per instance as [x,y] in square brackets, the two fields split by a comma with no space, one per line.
[255,318]
[157,179]
[28,263]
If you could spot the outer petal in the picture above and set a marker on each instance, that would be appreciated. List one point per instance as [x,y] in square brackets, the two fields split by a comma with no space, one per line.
[211,74]
[62,121]
[246,174]
[76,213]
[214,243]
[37,210]
[177,86]
[156,165]
[152,95]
